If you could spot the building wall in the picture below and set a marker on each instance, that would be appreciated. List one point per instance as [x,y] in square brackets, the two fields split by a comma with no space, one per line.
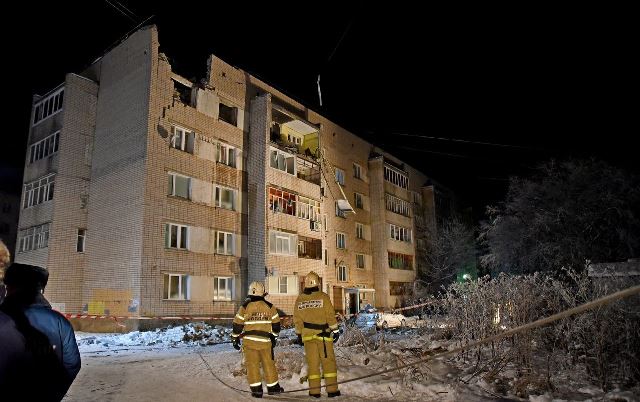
[9,215]
[115,228]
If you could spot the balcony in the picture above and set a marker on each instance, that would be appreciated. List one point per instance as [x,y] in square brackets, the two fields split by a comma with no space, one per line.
[309,248]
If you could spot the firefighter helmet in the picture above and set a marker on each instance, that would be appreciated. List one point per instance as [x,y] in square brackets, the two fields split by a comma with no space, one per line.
[256,289]
[312,280]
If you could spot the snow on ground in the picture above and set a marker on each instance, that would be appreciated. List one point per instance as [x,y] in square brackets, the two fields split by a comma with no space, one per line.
[166,365]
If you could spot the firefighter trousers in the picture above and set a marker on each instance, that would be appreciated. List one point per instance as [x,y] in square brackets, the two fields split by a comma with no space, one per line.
[253,358]
[314,351]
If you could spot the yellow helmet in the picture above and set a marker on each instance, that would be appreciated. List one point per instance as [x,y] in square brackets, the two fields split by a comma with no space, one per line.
[312,280]
[256,289]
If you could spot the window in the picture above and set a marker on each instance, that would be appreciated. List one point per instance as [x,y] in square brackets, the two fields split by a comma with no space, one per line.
[399,233]
[226,154]
[340,212]
[179,185]
[326,257]
[282,201]
[282,161]
[48,106]
[341,240]
[359,230]
[44,148]
[357,197]
[417,197]
[396,177]
[80,241]
[398,288]
[400,261]
[343,273]
[182,139]
[282,243]
[38,191]
[224,243]
[340,176]
[222,288]
[309,248]
[176,287]
[285,284]
[33,238]
[357,171]
[397,205]
[225,198]
[228,114]
[360,261]
[308,209]
[176,236]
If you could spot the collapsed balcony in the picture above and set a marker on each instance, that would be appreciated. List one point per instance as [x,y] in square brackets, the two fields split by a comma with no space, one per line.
[295,145]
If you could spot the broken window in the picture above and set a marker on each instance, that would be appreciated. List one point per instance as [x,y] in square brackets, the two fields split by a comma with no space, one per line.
[282,161]
[225,198]
[225,243]
[399,233]
[228,114]
[176,287]
[282,201]
[340,212]
[176,236]
[80,240]
[179,185]
[308,171]
[309,248]
[182,93]
[222,288]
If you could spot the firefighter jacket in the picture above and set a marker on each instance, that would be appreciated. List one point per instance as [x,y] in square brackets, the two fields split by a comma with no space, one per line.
[257,322]
[314,316]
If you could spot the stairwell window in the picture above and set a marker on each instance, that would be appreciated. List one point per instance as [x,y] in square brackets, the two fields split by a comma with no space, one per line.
[225,243]
[343,273]
[176,287]
[176,236]
[341,240]
[223,288]
[340,176]
[82,234]
[360,261]
[359,230]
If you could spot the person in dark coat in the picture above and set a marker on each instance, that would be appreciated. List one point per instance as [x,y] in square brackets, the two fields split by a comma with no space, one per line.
[51,359]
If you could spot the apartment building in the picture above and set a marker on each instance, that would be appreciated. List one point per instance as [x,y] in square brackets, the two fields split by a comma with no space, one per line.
[146,194]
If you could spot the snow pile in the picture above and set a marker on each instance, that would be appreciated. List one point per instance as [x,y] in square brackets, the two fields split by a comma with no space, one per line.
[193,333]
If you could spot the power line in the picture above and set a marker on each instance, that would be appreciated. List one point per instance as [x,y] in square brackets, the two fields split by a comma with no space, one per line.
[426,137]
[121,11]
[126,9]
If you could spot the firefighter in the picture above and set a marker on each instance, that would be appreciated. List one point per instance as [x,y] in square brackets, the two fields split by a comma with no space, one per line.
[257,323]
[317,329]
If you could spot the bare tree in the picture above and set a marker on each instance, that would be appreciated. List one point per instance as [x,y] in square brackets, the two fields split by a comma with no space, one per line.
[450,249]
[571,212]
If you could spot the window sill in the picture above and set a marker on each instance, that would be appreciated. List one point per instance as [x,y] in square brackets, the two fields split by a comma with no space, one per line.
[176,300]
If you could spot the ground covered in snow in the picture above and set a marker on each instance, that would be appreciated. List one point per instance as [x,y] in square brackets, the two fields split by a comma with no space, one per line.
[167,365]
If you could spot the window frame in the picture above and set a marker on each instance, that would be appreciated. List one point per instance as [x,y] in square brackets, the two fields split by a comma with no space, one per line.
[179,235]
[228,240]
[358,196]
[223,154]
[357,171]
[343,273]
[172,189]
[229,288]
[217,197]
[81,240]
[344,240]
[362,259]
[360,231]
[182,287]
[339,174]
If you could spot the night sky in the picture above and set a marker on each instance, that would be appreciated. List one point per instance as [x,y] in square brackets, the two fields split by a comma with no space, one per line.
[496,90]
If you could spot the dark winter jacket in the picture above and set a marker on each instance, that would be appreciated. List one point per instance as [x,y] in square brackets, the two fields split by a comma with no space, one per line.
[39,374]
